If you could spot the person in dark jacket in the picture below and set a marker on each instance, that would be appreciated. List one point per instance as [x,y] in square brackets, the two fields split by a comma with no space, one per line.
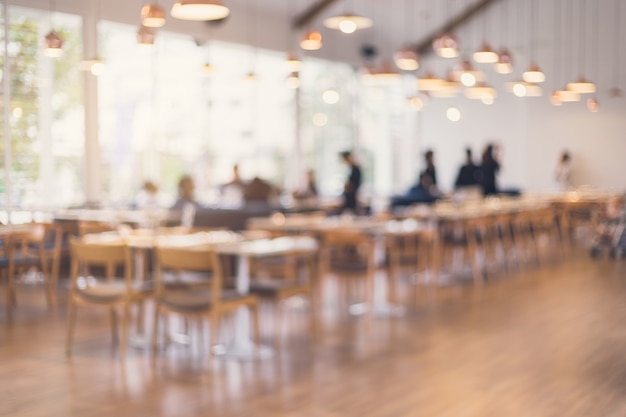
[469,173]
[429,158]
[352,184]
[488,170]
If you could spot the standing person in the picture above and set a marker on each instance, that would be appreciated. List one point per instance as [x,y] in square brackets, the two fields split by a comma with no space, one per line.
[469,173]
[352,184]
[562,174]
[488,170]
[430,170]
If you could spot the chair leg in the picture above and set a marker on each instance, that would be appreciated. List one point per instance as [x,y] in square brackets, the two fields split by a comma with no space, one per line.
[312,317]
[124,330]
[215,320]
[114,334]
[254,316]
[71,322]
[155,332]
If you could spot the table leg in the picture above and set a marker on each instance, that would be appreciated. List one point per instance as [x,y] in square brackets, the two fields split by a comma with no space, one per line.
[241,347]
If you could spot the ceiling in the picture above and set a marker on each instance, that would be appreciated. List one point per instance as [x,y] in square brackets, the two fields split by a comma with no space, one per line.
[396,22]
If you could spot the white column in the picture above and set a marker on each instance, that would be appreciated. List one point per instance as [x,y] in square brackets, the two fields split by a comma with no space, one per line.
[46,182]
[7,115]
[93,167]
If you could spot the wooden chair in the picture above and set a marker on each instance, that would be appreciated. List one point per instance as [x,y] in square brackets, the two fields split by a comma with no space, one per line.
[89,226]
[525,244]
[279,278]
[24,248]
[350,254]
[545,233]
[210,301]
[94,265]
[408,250]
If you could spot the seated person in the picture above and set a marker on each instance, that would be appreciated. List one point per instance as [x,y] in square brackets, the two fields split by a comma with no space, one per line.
[148,196]
[258,191]
[311,188]
[186,188]
[424,192]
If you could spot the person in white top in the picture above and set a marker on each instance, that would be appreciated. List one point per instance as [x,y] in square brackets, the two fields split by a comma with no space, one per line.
[562,174]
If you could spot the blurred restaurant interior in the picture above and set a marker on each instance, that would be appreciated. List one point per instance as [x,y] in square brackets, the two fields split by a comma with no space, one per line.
[312,207]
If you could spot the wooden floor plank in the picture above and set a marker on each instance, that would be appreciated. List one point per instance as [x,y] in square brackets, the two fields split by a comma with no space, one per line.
[546,342]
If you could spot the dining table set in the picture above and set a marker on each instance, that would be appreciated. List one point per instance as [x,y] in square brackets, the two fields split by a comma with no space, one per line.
[424,240]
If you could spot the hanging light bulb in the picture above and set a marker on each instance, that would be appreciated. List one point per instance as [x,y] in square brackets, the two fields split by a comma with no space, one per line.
[429,82]
[145,36]
[312,41]
[93,65]
[199,10]
[568,96]
[348,22]
[582,86]
[555,98]
[53,45]
[481,91]
[446,46]
[152,16]
[453,114]
[504,64]
[208,69]
[406,59]
[534,75]
[415,103]
[446,88]
[383,75]
[593,105]
[485,55]
[293,63]
[293,81]
[467,75]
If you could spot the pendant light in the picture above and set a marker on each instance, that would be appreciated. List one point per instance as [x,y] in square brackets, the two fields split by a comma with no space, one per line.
[467,75]
[533,74]
[447,88]
[505,63]
[505,60]
[145,36]
[95,65]
[293,81]
[429,82]
[592,103]
[566,95]
[406,58]
[53,41]
[152,16]
[348,22]
[311,41]
[582,85]
[480,91]
[293,62]
[555,97]
[54,45]
[446,45]
[615,91]
[485,55]
[199,10]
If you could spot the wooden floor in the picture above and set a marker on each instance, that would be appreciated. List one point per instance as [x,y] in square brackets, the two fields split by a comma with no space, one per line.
[547,342]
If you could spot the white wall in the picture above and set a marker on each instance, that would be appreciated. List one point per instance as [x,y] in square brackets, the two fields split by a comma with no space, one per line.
[531,131]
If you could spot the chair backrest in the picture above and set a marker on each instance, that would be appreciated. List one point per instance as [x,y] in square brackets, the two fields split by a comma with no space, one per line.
[88,226]
[178,258]
[88,253]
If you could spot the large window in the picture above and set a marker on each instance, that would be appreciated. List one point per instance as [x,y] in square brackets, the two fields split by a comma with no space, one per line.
[45,112]
[163,115]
